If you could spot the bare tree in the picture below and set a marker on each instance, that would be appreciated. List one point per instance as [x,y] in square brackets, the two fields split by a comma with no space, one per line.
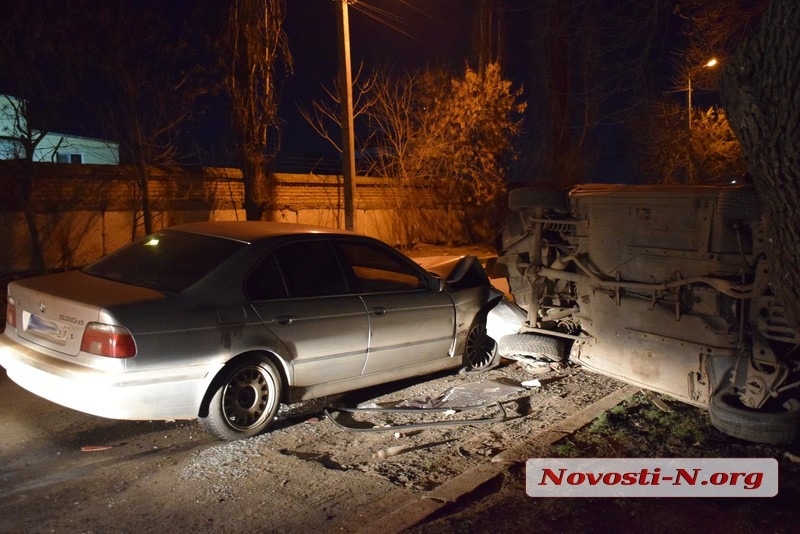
[43,77]
[398,121]
[760,91]
[254,43]
[587,70]
[20,142]
[488,33]
[388,103]
[711,29]
[436,137]
[325,117]
[153,82]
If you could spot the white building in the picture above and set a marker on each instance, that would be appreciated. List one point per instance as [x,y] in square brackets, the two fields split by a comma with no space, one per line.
[53,147]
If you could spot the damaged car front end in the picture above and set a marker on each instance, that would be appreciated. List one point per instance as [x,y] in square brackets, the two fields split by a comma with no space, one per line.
[473,297]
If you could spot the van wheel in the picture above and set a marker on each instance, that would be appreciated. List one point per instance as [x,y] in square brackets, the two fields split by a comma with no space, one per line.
[532,345]
[245,401]
[776,425]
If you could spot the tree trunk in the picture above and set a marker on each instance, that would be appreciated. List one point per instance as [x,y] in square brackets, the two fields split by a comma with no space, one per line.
[258,187]
[760,90]
[144,185]
[37,254]
[25,202]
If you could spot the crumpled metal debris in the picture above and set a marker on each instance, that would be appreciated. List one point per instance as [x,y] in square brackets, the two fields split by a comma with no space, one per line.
[448,422]
[471,396]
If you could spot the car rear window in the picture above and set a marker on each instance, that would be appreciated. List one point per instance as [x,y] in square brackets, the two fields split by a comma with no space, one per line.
[166,260]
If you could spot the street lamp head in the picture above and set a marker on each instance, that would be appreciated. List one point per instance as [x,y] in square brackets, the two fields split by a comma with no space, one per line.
[711,62]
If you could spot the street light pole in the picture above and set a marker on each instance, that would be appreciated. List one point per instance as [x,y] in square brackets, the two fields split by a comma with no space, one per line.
[689,97]
[346,97]
[710,63]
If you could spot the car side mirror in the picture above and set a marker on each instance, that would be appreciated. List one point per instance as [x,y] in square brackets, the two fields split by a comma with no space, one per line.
[435,284]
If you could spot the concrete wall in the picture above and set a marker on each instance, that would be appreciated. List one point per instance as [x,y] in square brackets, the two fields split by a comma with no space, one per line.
[84,212]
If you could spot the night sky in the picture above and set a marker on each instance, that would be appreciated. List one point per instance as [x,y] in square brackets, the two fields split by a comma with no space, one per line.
[401,34]
[404,34]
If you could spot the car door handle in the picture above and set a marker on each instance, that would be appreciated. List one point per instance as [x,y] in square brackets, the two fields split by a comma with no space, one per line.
[283,320]
[380,311]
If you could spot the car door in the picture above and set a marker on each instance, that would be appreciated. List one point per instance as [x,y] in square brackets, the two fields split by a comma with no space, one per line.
[409,323]
[300,294]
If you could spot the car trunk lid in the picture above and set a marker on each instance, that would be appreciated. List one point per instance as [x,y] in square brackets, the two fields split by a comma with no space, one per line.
[53,310]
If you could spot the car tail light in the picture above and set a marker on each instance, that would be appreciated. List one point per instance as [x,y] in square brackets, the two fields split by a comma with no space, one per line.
[11,313]
[108,340]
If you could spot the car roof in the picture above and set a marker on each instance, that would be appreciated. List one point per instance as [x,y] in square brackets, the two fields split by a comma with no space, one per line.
[251,231]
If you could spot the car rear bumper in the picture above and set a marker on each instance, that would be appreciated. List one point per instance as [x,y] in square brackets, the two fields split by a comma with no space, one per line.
[162,394]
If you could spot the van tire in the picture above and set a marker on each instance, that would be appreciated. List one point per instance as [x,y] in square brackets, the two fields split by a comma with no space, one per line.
[532,345]
[775,427]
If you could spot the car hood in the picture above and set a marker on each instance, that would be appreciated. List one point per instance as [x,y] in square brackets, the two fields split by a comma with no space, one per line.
[460,272]
[440,265]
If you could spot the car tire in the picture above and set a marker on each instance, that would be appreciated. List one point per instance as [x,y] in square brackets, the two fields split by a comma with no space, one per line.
[245,401]
[532,345]
[536,197]
[776,427]
[480,350]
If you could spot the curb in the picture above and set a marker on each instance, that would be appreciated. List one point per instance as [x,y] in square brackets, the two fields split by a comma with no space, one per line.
[417,509]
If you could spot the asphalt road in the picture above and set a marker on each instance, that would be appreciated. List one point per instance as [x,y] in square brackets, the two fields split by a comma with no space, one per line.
[44,444]
[65,471]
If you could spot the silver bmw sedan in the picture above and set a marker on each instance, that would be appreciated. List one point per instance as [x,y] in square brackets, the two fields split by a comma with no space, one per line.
[223,321]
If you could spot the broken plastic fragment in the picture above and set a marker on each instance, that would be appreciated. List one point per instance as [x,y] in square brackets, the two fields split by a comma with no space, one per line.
[390,451]
[535,367]
[95,448]
[504,457]
[791,457]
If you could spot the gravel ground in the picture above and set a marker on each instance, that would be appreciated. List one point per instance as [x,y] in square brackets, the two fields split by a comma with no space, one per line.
[307,474]
[417,459]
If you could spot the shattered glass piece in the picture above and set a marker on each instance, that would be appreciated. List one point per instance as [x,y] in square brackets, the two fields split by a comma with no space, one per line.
[474,394]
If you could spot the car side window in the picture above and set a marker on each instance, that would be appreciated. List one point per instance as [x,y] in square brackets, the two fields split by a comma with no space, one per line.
[379,270]
[310,269]
[266,282]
